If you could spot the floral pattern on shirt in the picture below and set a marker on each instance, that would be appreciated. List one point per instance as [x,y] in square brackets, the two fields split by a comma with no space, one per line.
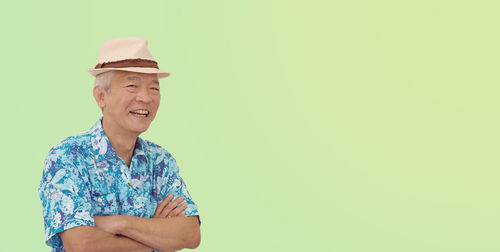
[84,177]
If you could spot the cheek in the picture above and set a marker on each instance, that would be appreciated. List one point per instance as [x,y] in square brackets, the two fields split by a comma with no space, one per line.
[156,102]
[126,103]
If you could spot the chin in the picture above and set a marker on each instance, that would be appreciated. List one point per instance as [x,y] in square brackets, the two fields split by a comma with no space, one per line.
[140,129]
[139,125]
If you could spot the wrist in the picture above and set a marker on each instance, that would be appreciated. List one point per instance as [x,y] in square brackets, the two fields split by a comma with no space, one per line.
[122,223]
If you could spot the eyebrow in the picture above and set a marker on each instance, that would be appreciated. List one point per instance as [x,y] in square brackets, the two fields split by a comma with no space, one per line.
[139,78]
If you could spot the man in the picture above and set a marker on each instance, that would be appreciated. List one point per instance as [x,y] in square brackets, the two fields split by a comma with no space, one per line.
[107,189]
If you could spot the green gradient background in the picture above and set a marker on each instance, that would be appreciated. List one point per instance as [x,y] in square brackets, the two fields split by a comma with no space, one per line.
[297,125]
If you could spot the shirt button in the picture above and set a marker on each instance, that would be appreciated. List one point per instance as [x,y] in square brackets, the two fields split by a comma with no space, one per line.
[128,184]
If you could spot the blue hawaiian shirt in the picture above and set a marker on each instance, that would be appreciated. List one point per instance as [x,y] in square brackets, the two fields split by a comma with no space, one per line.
[84,177]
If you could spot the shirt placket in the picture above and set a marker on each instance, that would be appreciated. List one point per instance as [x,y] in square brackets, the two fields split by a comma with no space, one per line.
[126,176]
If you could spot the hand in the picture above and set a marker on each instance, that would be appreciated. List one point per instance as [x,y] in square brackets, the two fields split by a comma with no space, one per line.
[168,208]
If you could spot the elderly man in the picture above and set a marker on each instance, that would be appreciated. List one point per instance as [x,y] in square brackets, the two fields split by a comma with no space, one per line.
[107,189]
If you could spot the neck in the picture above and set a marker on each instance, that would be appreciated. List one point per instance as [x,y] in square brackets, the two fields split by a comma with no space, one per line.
[122,142]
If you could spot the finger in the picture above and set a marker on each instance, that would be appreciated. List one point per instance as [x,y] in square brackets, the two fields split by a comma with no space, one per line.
[178,210]
[175,212]
[170,206]
[162,205]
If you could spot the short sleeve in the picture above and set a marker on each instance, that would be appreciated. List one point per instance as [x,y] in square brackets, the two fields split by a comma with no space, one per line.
[65,197]
[170,182]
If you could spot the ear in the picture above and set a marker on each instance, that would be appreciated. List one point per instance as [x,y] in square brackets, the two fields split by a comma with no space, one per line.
[99,96]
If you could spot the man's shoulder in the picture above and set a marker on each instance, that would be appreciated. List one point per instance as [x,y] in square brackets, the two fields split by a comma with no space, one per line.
[71,146]
[156,150]
[68,154]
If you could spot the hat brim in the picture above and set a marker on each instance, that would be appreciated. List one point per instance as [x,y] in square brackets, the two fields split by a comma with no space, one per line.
[161,74]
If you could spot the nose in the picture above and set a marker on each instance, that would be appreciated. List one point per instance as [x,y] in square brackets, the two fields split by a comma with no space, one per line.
[143,96]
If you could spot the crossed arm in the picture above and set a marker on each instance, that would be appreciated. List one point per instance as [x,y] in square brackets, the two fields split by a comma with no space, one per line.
[168,230]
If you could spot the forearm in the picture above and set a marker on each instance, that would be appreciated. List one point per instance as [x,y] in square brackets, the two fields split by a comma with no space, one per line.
[96,240]
[165,234]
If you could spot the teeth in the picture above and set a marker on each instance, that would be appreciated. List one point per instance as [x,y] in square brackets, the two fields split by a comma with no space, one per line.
[141,111]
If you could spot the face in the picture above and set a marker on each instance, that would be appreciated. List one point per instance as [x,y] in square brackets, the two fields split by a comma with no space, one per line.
[131,102]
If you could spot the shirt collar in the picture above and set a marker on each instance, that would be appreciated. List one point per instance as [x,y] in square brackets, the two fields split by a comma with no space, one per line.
[102,147]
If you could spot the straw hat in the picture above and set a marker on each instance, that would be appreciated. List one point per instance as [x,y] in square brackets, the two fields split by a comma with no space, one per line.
[127,54]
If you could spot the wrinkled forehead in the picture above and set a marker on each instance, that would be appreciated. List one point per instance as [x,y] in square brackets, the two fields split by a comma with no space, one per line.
[126,76]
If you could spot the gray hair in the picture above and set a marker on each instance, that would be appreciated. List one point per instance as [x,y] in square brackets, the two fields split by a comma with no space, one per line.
[104,80]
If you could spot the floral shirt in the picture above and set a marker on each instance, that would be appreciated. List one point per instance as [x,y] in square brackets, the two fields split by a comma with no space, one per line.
[84,177]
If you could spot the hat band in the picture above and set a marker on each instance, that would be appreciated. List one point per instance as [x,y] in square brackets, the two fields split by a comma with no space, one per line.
[128,63]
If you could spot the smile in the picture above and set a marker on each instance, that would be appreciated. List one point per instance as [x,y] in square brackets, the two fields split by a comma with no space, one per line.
[140,112]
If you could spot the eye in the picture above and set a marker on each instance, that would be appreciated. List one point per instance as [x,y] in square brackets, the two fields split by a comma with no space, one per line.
[132,85]
[156,89]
